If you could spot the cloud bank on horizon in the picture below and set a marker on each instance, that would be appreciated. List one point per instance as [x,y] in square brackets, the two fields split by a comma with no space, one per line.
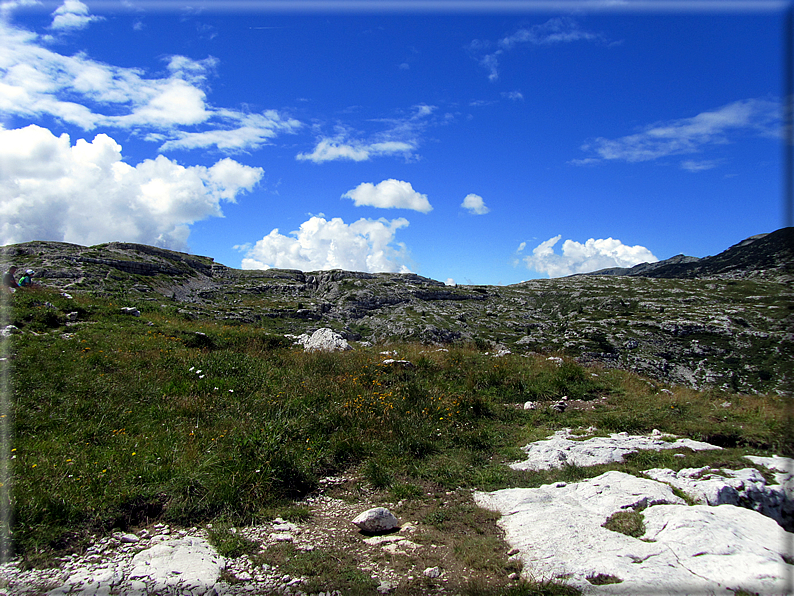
[92,151]
[576,257]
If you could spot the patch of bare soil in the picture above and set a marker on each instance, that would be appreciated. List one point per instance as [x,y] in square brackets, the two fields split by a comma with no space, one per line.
[445,544]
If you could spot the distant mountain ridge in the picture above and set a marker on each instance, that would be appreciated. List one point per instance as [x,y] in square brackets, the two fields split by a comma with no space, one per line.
[766,256]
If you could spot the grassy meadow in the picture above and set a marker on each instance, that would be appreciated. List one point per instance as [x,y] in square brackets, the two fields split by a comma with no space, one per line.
[115,421]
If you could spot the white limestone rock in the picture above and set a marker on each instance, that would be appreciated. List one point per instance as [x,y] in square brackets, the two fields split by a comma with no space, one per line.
[323,340]
[378,519]
[560,449]
[744,488]
[181,564]
[558,531]
[9,330]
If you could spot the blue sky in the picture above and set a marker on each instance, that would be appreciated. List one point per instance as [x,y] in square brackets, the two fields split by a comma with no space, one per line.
[461,144]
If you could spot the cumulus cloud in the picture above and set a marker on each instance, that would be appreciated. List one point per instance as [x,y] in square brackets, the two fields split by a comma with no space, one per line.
[72,15]
[583,258]
[689,135]
[474,204]
[320,244]
[389,194]
[37,82]
[86,194]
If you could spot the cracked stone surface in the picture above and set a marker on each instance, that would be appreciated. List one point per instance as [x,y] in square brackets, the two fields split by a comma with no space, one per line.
[714,548]
[563,448]
[558,531]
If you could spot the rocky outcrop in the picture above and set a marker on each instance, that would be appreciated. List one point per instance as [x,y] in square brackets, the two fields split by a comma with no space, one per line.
[568,531]
[566,449]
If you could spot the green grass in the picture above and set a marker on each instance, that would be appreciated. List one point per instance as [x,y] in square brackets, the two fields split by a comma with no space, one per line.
[630,522]
[118,421]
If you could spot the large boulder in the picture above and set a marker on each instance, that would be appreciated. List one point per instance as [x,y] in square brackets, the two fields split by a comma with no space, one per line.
[323,340]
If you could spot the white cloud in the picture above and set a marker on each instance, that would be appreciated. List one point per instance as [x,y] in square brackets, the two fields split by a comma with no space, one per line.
[689,135]
[583,258]
[320,244]
[490,62]
[334,149]
[72,15]
[513,95]
[474,204]
[556,30]
[401,137]
[37,82]
[694,165]
[86,194]
[389,194]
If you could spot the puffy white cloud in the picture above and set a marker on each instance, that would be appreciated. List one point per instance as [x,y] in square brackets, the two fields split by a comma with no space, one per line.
[86,194]
[72,15]
[689,135]
[474,204]
[37,82]
[583,258]
[320,244]
[389,194]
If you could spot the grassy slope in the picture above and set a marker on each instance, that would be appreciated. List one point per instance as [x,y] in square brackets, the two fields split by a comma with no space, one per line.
[118,420]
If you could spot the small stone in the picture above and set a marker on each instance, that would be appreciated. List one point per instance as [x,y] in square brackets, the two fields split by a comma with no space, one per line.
[129,539]
[281,537]
[378,519]
[432,572]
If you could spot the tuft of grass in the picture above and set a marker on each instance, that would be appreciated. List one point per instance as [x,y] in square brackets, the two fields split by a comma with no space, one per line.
[630,522]
[229,542]
[603,579]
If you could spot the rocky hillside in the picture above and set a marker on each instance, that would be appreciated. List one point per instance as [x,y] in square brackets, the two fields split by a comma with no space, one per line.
[722,321]
[764,256]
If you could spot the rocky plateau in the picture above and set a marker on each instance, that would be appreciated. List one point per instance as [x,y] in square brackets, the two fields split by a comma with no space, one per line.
[724,321]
